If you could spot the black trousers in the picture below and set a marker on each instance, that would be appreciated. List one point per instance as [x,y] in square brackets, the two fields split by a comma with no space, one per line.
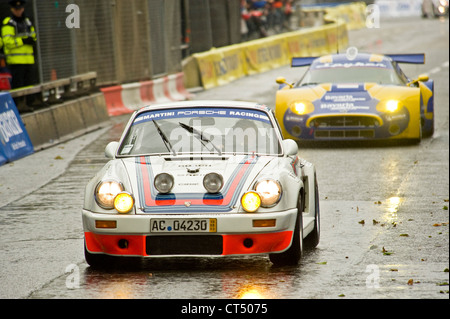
[22,75]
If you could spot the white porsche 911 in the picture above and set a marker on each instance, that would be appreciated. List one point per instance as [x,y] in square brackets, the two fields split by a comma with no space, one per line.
[201,179]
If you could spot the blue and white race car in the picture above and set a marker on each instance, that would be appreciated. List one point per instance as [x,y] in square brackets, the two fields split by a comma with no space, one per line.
[201,178]
[356,97]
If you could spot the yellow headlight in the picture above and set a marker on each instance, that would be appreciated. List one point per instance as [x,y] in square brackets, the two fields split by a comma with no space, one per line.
[389,106]
[123,202]
[251,201]
[299,108]
[392,105]
[302,107]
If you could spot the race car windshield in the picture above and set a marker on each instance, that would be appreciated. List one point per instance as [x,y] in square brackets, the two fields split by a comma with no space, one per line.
[351,75]
[214,131]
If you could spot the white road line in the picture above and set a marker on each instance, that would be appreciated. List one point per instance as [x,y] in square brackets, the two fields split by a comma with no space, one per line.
[435,70]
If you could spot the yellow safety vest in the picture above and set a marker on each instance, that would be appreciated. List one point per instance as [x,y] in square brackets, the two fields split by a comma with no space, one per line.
[16,51]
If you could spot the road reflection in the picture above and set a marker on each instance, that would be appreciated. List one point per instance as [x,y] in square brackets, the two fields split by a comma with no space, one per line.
[184,278]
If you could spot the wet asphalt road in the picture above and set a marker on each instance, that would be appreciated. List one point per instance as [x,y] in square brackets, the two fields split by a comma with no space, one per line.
[384,222]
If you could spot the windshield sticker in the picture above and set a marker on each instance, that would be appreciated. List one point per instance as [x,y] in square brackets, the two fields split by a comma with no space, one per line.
[213,112]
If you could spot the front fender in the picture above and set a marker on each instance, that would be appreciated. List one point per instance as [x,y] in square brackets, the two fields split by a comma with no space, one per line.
[287,172]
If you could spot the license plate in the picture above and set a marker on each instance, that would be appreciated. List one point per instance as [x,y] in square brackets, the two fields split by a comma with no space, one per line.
[195,225]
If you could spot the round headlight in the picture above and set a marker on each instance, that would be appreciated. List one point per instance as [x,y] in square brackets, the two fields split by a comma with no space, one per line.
[302,107]
[251,201]
[389,106]
[123,202]
[164,183]
[213,182]
[392,105]
[270,192]
[105,192]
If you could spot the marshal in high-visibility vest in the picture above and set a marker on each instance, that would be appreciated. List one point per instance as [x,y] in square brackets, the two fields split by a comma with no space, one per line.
[19,37]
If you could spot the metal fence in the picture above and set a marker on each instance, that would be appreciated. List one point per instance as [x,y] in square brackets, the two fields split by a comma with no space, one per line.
[126,40]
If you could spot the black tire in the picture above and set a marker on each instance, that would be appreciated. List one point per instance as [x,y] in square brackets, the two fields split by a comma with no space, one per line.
[101,261]
[313,238]
[95,260]
[429,132]
[292,256]
[419,138]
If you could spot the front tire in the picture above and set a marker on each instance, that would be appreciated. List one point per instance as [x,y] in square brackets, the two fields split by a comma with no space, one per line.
[313,238]
[292,256]
[102,261]
[95,260]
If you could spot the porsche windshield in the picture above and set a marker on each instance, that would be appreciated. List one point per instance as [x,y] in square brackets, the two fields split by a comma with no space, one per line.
[381,73]
[201,130]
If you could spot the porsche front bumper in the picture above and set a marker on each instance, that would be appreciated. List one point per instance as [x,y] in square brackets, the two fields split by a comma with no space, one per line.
[235,234]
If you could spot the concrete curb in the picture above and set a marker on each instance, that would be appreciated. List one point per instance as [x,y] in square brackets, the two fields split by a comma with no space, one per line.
[60,123]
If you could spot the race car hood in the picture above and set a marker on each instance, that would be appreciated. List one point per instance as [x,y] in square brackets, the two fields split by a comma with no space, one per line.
[188,193]
[347,98]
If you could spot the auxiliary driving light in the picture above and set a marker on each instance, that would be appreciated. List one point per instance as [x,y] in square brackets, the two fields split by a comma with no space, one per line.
[213,182]
[251,201]
[123,202]
[164,183]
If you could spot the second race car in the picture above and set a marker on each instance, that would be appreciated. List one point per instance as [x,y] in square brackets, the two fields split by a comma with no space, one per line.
[356,97]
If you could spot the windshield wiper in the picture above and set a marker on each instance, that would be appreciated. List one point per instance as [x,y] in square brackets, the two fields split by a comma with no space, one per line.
[200,135]
[165,139]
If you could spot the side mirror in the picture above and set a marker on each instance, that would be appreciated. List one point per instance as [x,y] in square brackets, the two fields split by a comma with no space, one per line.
[111,149]
[282,81]
[290,147]
[423,78]
[420,78]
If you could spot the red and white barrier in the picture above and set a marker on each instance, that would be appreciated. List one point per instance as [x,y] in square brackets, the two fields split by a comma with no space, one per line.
[126,98]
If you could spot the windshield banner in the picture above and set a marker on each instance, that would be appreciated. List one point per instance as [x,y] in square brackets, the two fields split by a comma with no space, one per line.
[14,140]
[202,112]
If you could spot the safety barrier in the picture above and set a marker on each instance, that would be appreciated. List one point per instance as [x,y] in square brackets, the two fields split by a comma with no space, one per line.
[354,15]
[80,109]
[56,91]
[126,98]
[223,65]
[59,123]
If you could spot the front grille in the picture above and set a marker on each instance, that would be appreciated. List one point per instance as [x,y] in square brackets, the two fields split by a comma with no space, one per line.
[344,134]
[345,121]
[184,245]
